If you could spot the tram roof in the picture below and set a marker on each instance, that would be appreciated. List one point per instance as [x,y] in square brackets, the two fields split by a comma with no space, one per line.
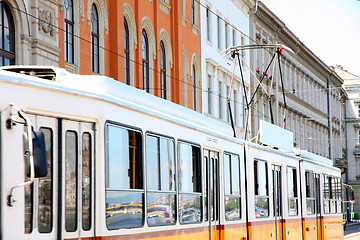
[110,90]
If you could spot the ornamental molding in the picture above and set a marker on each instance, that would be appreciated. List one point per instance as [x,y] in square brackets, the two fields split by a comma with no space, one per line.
[46,19]
[146,25]
[164,36]
[129,16]
[102,11]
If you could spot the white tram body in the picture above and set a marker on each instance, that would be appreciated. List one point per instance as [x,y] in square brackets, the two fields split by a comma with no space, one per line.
[125,164]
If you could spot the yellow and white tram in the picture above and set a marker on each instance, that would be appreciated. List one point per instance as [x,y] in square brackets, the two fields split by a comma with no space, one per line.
[123,164]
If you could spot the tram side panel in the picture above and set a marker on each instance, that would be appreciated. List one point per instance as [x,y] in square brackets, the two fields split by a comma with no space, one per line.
[321,201]
[270,216]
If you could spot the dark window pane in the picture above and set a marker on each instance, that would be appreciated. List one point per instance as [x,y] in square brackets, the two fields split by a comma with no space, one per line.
[71,196]
[46,188]
[28,206]
[160,209]
[124,159]
[124,209]
[206,170]
[86,181]
[189,168]
[190,208]
[227,175]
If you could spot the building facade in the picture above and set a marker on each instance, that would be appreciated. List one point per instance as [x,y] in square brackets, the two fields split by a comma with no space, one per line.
[150,44]
[224,24]
[352,122]
[314,94]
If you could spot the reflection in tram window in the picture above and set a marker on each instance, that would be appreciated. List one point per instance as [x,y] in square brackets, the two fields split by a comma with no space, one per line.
[292,191]
[86,181]
[160,166]
[189,208]
[28,192]
[326,193]
[310,192]
[45,210]
[124,209]
[261,189]
[232,187]
[160,209]
[332,181]
[206,184]
[124,182]
[71,195]
[189,183]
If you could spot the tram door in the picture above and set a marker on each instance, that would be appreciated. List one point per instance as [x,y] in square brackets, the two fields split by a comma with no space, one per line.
[277,203]
[77,180]
[211,193]
[318,206]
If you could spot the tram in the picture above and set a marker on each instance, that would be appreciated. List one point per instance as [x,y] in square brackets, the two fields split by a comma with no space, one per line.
[87,157]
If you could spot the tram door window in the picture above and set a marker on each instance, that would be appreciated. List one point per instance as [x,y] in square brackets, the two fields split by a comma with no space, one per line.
[40,197]
[277,203]
[310,192]
[212,193]
[190,186]
[292,191]
[77,179]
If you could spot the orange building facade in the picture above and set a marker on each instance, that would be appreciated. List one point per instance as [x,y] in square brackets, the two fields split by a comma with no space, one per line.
[150,44]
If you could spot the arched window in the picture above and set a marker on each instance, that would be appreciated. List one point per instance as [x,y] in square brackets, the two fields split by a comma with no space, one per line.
[127,53]
[94,40]
[194,86]
[7,44]
[163,70]
[69,31]
[145,61]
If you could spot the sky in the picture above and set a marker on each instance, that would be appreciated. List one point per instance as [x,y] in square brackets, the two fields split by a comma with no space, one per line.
[329,28]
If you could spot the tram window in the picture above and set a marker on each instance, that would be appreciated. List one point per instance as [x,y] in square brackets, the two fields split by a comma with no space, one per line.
[71,193]
[232,187]
[160,166]
[292,191]
[333,194]
[339,196]
[124,178]
[205,172]
[326,193]
[29,196]
[45,210]
[310,193]
[86,181]
[190,198]
[261,189]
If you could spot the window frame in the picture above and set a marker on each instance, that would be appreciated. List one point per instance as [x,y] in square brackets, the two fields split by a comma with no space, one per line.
[182,193]
[69,24]
[266,187]
[174,192]
[295,188]
[135,129]
[127,52]
[194,87]
[238,196]
[146,60]
[7,55]
[95,37]
[312,195]
[163,85]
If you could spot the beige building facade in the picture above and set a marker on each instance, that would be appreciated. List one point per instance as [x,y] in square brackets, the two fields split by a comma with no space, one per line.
[314,94]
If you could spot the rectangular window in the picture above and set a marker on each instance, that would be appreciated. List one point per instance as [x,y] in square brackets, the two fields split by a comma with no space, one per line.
[209,94]
[227,107]
[226,35]
[71,185]
[208,23]
[326,193]
[233,37]
[218,33]
[242,51]
[338,196]
[358,110]
[310,192]
[160,166]
[333,194]
[45,212]
[86,180]
[292,191]
[232,187]
[193,12]
[190,199]
[235,107]
[124,178]
[220,100]
[261,189]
